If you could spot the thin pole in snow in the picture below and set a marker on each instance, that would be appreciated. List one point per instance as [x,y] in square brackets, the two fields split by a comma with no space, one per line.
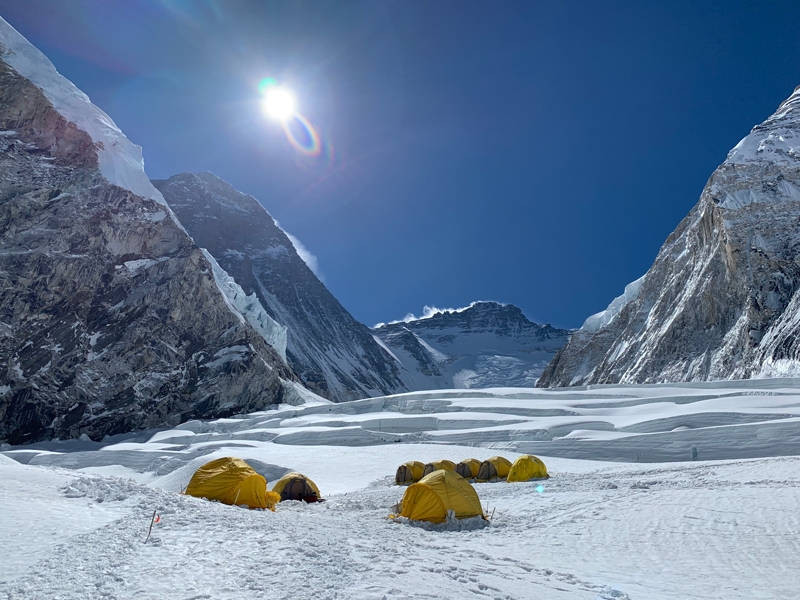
[153,520]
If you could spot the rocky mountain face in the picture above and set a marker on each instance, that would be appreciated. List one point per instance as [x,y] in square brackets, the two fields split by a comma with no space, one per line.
[484,345]
[335,355]
[721,299]
[111,318]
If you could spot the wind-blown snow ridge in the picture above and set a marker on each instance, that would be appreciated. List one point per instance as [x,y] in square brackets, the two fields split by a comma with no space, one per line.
[120,160]
[431,311]
[604,317]
[308,257]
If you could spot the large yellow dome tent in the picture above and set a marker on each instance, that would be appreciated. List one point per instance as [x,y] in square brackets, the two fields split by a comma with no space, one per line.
[435,465]
[296,486]
[231,481]
[409,472]
[468,468]
[493,468]
[439,493]
[527,467]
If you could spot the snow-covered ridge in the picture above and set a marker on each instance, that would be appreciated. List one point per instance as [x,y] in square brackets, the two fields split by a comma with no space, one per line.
[120,160]
[249,308]
[485,344]
[431,311]
[775,140]
[604,317]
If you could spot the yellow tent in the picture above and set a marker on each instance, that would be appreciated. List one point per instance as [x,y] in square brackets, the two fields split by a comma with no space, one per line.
[435,465]
[231,481]
[468,468]
[527,467]
[409,472]
[295,486]
[493,468]
[437,494]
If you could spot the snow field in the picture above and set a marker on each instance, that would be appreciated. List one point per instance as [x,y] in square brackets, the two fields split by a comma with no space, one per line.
[597,530]
[721,530]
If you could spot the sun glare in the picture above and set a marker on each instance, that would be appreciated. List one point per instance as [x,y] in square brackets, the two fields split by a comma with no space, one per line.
[279,104]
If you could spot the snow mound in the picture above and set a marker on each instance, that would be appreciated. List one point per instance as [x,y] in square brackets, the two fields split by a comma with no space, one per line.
[452,524]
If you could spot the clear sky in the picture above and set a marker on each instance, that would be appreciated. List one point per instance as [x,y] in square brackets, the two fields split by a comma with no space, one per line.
[537,153]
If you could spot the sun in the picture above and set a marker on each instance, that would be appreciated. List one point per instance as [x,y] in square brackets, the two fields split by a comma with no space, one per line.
[279,104]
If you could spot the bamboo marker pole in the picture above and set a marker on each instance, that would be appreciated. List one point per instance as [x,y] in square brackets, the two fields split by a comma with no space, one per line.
[149,531]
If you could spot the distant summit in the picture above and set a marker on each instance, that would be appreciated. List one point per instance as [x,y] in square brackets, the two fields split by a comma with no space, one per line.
[335,355]
[486,344]
[721,299]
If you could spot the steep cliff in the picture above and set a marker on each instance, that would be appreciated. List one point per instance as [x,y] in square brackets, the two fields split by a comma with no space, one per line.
[111,319]
[721,299]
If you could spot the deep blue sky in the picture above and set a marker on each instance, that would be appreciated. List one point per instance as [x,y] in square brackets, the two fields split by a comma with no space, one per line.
[530,152]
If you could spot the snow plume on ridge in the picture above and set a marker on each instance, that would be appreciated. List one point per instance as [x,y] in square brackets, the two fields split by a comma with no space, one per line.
[120,159]
[304,253]
[432,311]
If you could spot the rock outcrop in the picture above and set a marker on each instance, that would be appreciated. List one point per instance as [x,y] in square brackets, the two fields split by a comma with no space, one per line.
[334,355]
[486,344]
[721,299]
[111,318]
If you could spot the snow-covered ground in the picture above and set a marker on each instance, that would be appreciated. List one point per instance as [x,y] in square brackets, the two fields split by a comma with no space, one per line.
[75,514]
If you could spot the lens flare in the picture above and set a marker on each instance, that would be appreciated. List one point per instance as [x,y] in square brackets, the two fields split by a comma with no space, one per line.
[266,84]
[302,135]
[279,104]
[540,488]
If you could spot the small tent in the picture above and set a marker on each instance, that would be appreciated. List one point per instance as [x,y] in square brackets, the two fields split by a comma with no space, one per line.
[527,467]
[435,465]
[439,494]
[296,486]
[468,468]
[494,468]
[409,472]
[231,481]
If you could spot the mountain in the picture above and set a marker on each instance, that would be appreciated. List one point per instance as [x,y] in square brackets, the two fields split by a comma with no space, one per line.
[486,344]
[721,299]
[335,355]
[111,318]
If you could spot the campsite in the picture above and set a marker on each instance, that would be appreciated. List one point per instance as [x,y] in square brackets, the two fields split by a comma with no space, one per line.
[594,529]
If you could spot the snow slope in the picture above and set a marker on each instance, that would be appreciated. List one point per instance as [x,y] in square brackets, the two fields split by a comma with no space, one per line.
[595,530]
